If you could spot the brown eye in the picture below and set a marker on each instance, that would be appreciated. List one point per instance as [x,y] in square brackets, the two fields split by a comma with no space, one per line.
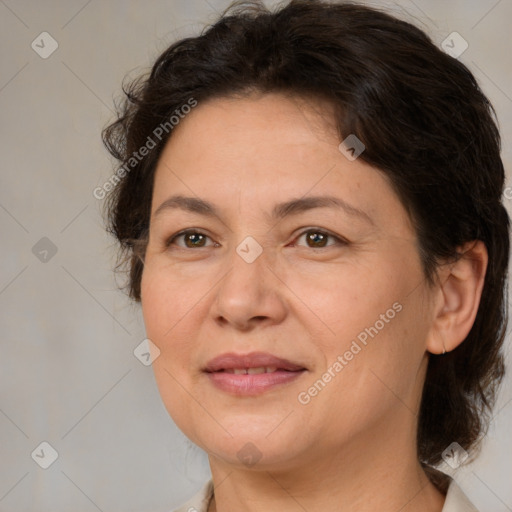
[318,239]
[192,239]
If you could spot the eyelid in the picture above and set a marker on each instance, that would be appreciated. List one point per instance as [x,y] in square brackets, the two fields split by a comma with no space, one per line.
[338,239]
[196,231]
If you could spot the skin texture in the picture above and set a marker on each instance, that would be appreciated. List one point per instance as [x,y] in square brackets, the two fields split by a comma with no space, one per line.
[354,443]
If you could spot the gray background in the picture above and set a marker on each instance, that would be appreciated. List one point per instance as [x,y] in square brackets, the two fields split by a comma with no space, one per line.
[68,375]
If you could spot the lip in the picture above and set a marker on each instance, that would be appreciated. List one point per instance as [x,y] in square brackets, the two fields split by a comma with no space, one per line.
[231,360]
[251,384]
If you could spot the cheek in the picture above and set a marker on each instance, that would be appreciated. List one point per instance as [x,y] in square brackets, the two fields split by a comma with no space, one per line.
[164,308]
[346,301]
[373,380]
[165,300]
[375,343]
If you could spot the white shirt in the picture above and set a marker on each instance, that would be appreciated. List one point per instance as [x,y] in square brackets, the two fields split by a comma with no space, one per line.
[456,500]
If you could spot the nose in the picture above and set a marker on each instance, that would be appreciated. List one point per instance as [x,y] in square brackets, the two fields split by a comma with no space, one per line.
[250,294]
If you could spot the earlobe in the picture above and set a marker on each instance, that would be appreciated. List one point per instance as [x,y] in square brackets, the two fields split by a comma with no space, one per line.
[458,297]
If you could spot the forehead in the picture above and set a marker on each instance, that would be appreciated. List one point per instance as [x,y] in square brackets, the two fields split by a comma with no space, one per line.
[262,150]
[255,120]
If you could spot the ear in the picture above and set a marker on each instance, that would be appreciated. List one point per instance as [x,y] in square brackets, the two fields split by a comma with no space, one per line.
[457,298]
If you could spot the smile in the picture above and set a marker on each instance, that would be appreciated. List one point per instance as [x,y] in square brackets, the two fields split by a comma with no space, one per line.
[251,371]
[251,374]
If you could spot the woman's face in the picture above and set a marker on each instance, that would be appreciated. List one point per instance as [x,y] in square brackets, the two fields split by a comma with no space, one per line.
[336,292]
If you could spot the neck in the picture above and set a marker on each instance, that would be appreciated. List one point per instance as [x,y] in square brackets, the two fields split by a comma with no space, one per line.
[377,470]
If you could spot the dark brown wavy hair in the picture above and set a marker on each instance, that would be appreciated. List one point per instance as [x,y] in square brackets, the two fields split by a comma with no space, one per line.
[424,121]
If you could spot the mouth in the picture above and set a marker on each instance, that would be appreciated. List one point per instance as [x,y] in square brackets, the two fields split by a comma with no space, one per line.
[251,371]
[251,374]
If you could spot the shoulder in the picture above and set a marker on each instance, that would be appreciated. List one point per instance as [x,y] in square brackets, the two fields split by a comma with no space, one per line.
[200,501]
[456,500]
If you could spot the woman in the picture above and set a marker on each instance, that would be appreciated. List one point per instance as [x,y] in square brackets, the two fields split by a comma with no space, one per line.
[309,201]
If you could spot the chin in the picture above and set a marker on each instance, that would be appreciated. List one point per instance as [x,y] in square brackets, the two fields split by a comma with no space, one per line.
[256,456]
[253,448]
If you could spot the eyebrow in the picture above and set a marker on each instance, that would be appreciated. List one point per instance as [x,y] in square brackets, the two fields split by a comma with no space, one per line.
[280,210]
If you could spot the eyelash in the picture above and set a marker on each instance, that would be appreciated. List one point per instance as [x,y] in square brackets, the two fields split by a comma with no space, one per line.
[339,241]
